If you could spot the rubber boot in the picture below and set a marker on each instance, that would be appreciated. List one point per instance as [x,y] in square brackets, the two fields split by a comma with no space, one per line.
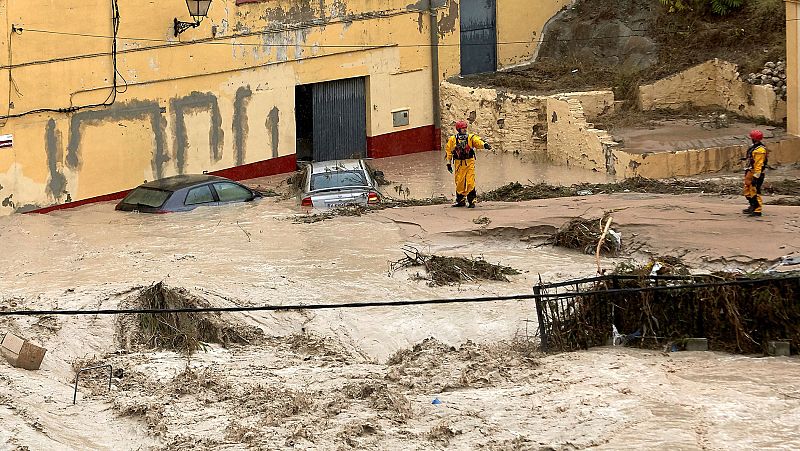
[459,201]
[749,209]
[471,198]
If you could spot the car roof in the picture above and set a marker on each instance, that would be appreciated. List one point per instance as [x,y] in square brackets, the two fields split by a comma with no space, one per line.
[177,182]
[319,167]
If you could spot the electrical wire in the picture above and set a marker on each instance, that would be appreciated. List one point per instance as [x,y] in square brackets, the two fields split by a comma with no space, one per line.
[348,305]
[112,95]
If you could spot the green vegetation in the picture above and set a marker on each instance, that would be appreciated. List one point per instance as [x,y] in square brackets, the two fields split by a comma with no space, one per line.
[718,7]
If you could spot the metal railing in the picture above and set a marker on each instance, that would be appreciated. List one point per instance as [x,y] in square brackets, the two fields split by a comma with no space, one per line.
[581,313]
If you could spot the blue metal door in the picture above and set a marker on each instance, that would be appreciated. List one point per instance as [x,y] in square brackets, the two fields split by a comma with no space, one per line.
[478,36]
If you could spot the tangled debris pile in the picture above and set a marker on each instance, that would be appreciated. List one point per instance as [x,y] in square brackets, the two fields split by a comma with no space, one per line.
[451,270]
[657,266]
[735,314]
[585,234]
[186,331]
[515,192]
[358,210]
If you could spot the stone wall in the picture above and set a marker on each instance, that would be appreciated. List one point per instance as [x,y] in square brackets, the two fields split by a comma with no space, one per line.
[714,83]
[510,122]
[520,123]
[700,161]
[573,141]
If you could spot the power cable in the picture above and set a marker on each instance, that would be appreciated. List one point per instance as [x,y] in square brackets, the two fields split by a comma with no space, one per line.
[519,297]
[215,41]
[112,95]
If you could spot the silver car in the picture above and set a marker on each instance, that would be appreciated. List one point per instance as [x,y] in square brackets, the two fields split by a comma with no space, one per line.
[338,183]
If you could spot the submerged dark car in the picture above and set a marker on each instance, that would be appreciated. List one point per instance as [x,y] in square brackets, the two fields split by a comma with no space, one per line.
[184,193]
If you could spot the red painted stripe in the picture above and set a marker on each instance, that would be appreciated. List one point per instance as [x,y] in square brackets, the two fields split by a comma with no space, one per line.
[272,166]
[420,139]
[78,203]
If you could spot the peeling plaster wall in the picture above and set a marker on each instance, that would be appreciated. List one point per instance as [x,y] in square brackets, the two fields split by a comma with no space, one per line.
[553,129]
[572,141]
[713,83]
[190,106]
[222,94]
[510,122]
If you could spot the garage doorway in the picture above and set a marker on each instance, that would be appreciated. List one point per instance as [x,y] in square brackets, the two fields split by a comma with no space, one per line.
[478,36]
[331,120]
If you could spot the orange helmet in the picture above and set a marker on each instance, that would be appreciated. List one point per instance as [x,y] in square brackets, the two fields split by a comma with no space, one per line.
[461,124]
[756,135]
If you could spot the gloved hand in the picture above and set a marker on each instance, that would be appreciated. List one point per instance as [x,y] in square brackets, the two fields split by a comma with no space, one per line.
[449,168]
[487,146]
[756,175]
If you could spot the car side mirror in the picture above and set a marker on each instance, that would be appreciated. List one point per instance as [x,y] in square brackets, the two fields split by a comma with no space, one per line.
[378,174]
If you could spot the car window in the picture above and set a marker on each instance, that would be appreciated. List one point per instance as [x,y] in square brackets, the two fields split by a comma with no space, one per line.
[229,192]
[334,179]
[199,195]
[147,196]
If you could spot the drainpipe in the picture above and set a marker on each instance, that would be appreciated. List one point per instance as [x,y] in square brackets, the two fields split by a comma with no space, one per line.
[437,113]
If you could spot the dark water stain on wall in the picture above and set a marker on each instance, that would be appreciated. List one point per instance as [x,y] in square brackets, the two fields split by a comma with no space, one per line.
[273,120]
[130,111]
[447,23]
[57,183]
[239,122]
[196,101]
[303,11]
[422,6]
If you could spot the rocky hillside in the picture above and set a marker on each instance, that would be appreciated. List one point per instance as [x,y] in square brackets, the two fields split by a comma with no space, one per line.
[620,43]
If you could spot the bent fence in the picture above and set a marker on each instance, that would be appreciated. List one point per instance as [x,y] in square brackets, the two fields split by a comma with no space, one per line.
[736,315]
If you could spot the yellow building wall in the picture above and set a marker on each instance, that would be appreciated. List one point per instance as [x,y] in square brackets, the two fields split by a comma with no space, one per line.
[218,96]
[519,28]
[792,70]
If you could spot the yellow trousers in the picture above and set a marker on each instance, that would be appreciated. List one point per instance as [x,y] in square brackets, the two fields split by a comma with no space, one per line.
[752,190]
[464,172]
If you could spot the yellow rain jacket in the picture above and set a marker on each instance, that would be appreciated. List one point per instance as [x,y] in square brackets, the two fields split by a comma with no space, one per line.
[462,156]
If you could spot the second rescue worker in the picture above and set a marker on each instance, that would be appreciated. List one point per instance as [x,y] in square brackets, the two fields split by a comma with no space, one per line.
[460,156]
[754,173]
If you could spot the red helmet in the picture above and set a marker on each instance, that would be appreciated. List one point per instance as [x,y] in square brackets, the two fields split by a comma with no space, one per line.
[461,124]
[756,135]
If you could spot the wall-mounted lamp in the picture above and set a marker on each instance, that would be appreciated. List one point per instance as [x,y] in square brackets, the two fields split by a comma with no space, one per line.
[198,9]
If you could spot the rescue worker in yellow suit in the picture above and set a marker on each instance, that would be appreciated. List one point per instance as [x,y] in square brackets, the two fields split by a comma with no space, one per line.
[754,173]
[460,157]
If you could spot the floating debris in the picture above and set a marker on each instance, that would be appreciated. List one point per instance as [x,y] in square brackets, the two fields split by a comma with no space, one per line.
[584,234]
[451,270]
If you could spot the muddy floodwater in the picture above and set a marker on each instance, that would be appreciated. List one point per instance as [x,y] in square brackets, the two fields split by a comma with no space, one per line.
[366,378]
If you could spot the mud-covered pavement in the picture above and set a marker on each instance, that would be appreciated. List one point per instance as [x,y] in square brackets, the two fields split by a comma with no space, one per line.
[338,378]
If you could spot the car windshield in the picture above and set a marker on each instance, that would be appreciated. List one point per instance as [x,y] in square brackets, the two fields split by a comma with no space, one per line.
[336,179]
[147,196]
